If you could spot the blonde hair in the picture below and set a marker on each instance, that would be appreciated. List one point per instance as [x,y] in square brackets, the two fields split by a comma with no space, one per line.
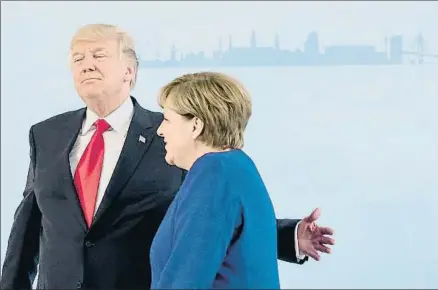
[218,100]
[95,32]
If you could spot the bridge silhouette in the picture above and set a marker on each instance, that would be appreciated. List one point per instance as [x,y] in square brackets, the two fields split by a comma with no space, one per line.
[394,53]
[418,52]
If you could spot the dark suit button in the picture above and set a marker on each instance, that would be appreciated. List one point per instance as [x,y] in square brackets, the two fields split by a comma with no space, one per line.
[88,244]
[79,284]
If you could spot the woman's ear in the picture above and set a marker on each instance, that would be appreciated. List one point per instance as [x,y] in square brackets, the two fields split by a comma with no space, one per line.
[198,127]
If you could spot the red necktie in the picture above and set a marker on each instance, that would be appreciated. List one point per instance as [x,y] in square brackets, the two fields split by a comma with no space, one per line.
[87,175]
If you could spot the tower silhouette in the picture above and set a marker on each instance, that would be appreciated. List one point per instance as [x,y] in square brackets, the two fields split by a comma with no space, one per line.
[277,42]
[173,53]
[311,46]
[253,40]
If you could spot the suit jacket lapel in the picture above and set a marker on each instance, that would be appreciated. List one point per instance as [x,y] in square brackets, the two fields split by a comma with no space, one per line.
[68,133]
[139,136]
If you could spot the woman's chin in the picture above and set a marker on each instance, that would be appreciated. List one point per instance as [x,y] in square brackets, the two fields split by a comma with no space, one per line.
[169,160]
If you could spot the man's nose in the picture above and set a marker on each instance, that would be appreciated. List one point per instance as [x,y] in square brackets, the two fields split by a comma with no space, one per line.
[88,65]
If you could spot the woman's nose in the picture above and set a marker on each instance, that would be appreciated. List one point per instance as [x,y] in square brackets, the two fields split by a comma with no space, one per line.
[159,131]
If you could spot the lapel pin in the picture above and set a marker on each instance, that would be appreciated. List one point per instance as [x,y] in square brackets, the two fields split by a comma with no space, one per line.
[142,139]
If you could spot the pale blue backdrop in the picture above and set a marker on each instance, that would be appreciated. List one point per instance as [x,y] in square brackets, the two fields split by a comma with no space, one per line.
[345,112]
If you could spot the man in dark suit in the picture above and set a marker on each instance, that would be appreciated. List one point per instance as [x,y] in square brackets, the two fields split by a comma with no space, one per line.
[98,184]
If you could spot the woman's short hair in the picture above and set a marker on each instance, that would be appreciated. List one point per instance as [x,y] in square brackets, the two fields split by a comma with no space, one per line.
[218,100]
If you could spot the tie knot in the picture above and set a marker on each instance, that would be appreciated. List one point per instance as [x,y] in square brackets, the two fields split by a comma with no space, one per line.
[101,126]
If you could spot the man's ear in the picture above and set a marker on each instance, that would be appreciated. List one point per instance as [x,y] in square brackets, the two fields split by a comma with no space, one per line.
[130,74]
[198,127]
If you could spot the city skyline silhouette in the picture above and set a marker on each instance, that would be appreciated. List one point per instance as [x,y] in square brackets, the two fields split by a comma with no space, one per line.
[254,55]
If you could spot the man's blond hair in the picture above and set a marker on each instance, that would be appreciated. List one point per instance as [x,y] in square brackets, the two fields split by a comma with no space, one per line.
[218,100]
[96,32]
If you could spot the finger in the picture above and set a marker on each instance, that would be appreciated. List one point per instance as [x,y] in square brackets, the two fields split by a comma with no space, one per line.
[323,249]
[313,254]
[327,241]
[326,231]
[313,216]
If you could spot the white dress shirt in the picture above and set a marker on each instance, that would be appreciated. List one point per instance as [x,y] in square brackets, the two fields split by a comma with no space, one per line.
[114,139]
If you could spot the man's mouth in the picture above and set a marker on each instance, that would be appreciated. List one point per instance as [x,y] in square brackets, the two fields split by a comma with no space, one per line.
[90,79]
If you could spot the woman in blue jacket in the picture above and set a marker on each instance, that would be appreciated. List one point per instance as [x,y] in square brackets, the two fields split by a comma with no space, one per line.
[220,231]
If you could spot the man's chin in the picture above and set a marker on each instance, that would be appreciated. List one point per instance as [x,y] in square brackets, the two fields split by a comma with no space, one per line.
[91,94]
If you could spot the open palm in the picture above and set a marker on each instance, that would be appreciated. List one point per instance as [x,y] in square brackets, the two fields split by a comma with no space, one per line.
[313,239]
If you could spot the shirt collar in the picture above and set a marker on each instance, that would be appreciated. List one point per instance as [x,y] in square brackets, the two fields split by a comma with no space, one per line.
[119,120]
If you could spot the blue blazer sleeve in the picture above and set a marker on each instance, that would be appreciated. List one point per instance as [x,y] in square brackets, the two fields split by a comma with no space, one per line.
[206,217]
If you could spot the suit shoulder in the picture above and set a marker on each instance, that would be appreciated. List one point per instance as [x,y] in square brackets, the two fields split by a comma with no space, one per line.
[155,117]
[56,120]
